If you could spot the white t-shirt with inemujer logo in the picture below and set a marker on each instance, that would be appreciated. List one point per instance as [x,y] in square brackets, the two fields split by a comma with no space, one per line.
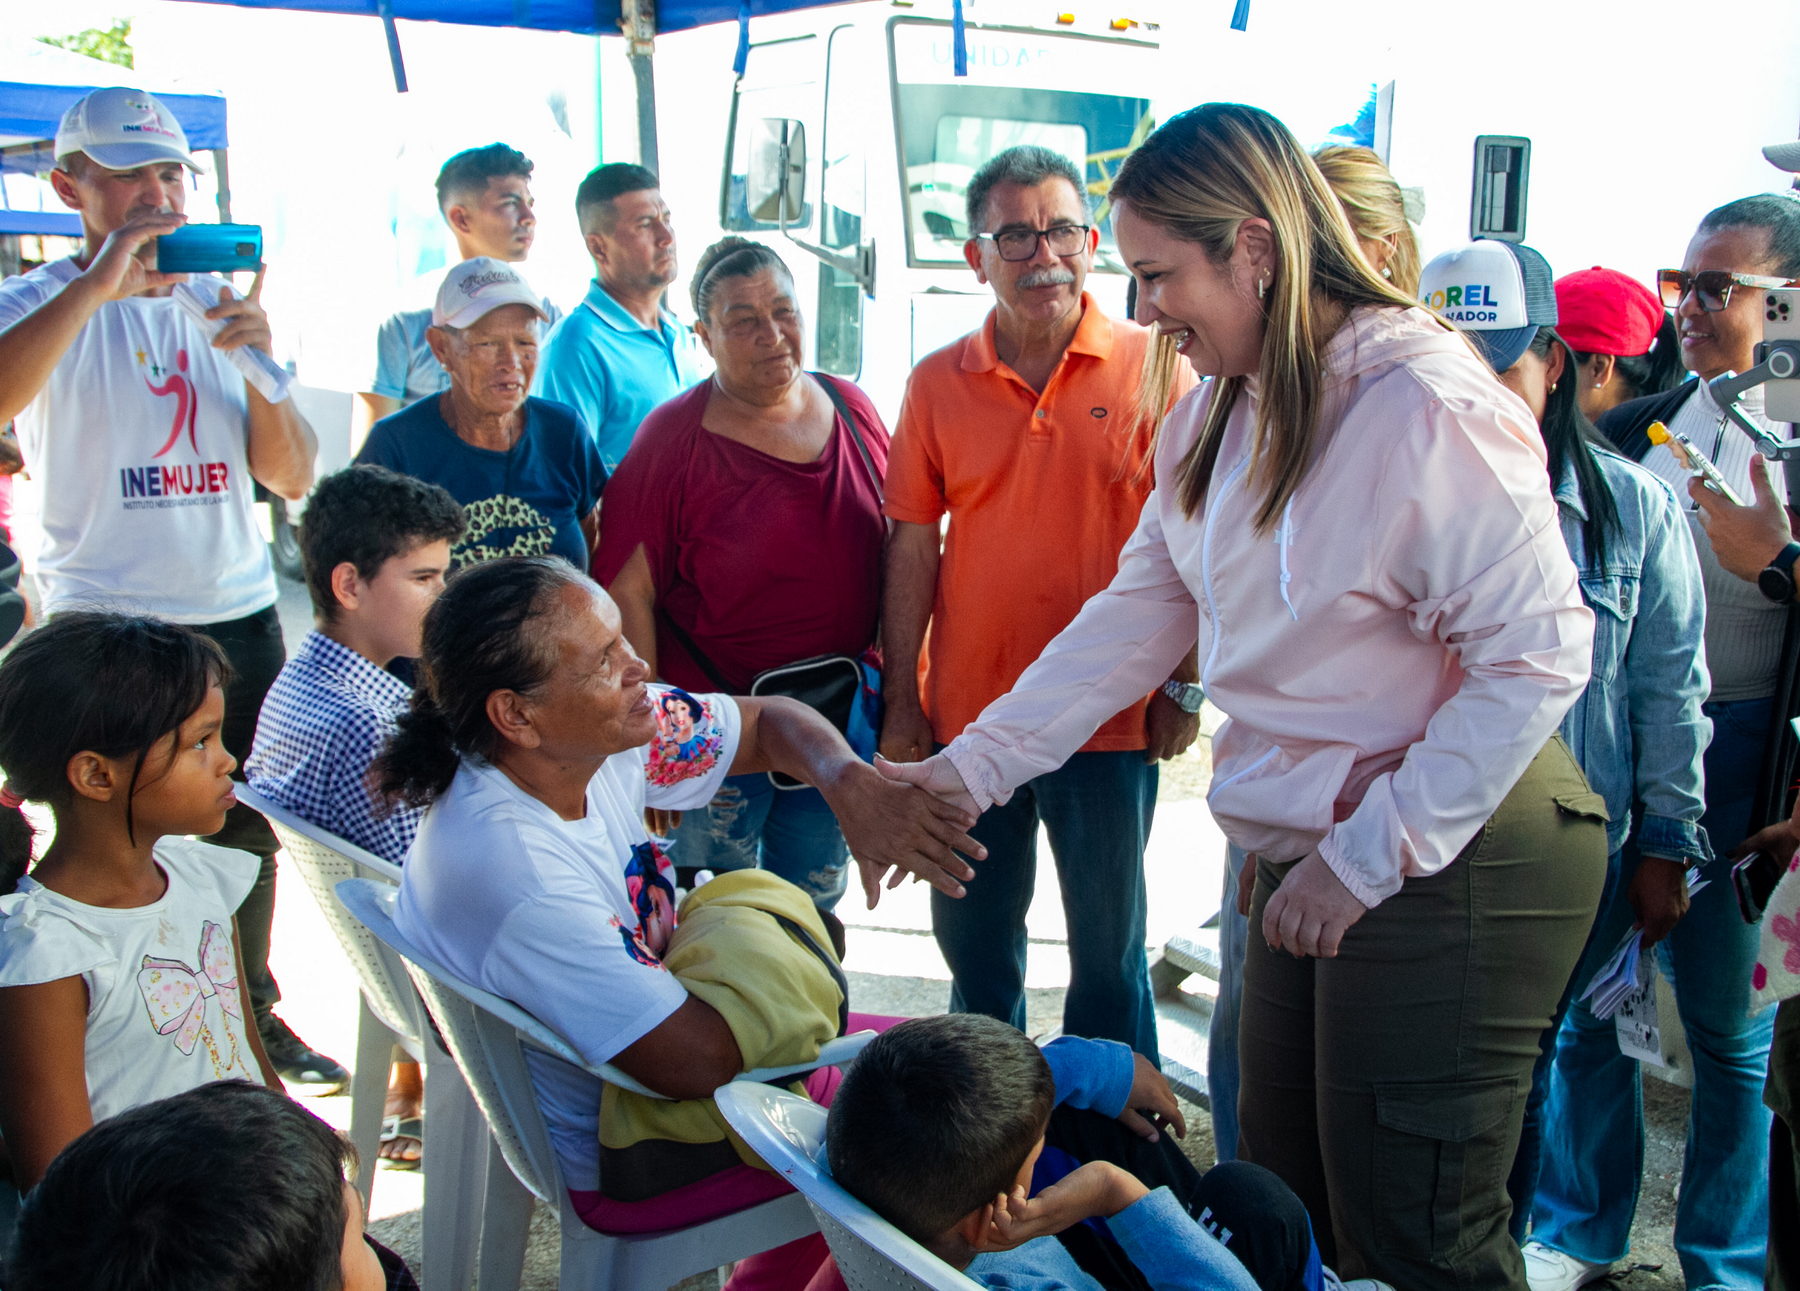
[139,443]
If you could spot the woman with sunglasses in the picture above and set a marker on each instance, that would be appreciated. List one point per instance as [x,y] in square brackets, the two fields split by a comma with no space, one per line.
[1588,1187]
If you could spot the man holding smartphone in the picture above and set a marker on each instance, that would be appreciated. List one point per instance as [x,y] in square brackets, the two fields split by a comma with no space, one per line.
[146,443]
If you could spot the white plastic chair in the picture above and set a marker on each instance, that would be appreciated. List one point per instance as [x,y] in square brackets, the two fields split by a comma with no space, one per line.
[489,1037]
[456,1137]
[789,1134]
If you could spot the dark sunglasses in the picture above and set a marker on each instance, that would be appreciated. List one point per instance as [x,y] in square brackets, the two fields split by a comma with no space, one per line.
[1711,287]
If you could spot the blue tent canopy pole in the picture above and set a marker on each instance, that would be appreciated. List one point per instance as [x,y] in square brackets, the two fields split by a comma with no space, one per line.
[638,20]
[392,32]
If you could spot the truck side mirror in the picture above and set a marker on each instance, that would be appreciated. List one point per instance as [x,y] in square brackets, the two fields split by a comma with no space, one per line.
[776,180]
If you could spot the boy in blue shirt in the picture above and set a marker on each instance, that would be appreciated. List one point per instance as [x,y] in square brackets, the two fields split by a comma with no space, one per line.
[1038,1170]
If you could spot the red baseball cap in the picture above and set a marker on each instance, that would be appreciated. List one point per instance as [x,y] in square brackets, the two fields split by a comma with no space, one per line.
[1602,311]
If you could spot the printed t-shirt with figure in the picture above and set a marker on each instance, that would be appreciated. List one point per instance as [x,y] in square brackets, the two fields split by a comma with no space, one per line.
[572,926]
[140,443]
[165,1010]
[527,501]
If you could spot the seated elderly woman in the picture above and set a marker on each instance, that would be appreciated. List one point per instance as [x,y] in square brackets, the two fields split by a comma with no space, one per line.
[525,470]
[535,744]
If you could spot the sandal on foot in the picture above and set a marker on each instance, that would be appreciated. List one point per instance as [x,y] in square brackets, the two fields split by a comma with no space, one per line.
[396,1128]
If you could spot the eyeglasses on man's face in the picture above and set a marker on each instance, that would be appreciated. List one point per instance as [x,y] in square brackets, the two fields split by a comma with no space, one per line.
[1711,287]
[1022,244]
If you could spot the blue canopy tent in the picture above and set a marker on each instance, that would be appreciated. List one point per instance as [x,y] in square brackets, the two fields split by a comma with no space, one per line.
[590,17]
[38,83]
[640,20]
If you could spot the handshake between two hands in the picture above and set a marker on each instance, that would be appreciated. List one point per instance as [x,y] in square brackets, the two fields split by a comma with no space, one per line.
[907,818]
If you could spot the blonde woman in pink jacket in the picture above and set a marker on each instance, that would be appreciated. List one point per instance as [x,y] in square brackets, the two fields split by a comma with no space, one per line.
[1354,519]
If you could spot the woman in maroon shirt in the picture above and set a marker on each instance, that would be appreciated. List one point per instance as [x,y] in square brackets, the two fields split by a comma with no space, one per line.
[745,526]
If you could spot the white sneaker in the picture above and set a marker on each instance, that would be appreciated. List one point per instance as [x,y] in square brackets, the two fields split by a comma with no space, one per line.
[1551,1270]
[1334,1283]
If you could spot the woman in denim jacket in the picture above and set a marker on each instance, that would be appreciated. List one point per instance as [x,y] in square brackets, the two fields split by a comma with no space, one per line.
[1639,734]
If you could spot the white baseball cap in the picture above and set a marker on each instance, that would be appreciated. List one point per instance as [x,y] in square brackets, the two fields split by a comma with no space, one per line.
[122,128]
[479,286]
[1498,292]
[1785,155]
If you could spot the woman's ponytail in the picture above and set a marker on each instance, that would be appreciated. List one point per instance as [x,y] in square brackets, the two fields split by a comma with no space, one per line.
[419,760]
[479,637]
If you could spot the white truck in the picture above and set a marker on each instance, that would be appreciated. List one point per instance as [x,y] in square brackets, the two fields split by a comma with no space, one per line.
[849,143]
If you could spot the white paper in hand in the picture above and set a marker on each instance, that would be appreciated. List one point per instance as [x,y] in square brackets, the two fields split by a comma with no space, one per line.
[1635,1021]
[199,294]
[1627,970]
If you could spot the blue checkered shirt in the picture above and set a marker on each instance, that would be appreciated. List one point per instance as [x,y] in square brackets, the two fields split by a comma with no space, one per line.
[322,724]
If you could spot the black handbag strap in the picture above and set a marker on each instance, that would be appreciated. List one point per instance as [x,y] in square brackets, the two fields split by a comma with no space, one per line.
[829,385]
[862,448]
[694,652]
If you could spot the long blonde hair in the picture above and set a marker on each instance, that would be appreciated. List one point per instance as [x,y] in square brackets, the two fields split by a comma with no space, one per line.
[1371,198]
[1199,177]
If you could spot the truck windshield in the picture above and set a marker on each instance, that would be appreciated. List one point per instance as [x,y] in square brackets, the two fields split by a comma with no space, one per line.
[1014,94]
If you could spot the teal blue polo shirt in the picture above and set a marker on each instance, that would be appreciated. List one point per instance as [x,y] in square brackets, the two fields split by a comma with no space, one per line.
[613,370]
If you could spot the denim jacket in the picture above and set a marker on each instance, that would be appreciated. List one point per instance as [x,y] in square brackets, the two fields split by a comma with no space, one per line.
[1638,730]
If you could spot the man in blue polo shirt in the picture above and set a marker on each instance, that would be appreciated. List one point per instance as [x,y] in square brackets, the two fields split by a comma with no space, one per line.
[621,352]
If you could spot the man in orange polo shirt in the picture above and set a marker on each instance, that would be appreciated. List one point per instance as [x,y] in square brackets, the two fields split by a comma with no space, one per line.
[1027,433]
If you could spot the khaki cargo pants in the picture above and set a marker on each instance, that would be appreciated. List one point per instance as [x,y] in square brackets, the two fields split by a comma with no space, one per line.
[1387,1085]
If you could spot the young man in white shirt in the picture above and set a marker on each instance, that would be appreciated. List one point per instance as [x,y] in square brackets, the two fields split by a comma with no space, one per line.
[147,445]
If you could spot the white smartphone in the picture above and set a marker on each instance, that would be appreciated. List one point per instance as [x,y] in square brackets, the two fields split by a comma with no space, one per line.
[1781,322]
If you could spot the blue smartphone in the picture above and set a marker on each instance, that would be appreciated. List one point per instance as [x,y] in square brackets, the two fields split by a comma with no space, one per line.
[210,248]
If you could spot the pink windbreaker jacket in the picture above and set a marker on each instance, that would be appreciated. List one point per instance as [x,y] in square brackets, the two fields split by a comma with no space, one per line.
[1390,656]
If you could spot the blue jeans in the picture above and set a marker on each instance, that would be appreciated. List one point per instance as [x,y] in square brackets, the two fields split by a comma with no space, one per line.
[1097,808]
[1593,1142]
[1222,1037]
[750,824]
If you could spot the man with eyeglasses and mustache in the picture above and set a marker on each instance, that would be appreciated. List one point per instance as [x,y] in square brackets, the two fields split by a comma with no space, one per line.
[1586,1196]
[1027,433]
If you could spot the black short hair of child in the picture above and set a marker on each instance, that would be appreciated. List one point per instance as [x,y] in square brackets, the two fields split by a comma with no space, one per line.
[226,1187]
[467,174]
[367,515]
[604,183]
[935,1117]
[117,684]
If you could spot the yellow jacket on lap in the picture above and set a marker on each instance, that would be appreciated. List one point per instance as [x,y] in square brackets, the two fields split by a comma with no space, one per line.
[754,947]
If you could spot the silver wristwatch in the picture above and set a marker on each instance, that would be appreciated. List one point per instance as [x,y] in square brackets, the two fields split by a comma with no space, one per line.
[1187,696]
